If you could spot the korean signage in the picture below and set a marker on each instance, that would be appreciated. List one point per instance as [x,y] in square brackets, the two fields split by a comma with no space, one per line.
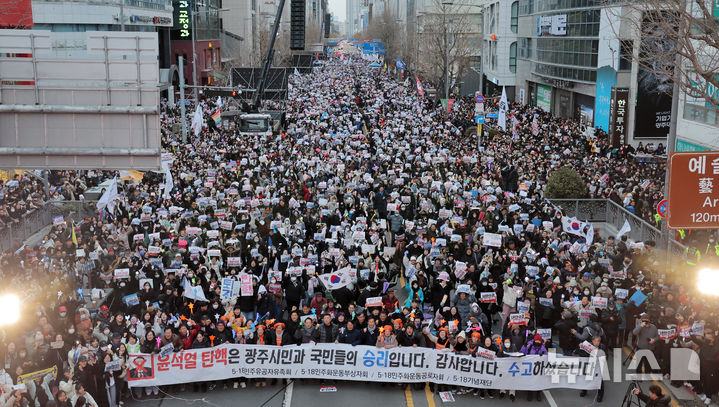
[716,8]
[618,115]
[552,25]
[544,97]
[654,96]
[693,197]
[363,363]
[182,29]
[165,21]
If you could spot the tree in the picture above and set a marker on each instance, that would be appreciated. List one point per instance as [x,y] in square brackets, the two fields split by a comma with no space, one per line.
[681,36]
[386,28]
[445,40]
[565,183]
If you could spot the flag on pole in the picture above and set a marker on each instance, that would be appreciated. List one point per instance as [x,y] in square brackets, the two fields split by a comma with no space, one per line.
[297,73]
[574,226]
[626,228]
[400,64]
[169,183]
[420,89]
[503,107]
[535,126]
[338,279]
[74,237]
[219,102]
[193,293]
[406,81]
[197,121]
[108,198]
[217,116]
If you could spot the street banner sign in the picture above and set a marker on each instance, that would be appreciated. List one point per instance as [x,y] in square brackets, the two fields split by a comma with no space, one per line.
[693,201]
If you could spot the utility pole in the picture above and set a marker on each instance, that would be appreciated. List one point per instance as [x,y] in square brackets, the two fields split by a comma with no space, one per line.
[481,53]
[183,115]
[194,54]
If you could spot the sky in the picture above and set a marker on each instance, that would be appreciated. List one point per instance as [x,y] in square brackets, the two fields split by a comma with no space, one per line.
[338,8]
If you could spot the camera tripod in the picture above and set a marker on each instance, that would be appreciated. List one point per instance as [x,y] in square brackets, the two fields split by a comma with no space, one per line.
[630,399]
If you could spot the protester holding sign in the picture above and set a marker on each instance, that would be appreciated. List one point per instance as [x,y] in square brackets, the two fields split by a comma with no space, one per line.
[247,238]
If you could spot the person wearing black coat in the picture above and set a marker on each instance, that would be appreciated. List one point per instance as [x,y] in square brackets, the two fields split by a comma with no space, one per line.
[279,336]
[564,327]
[371,333]
[351,335]
[294,291]
[656,397]
[222,334]
[410,337]
[292,324]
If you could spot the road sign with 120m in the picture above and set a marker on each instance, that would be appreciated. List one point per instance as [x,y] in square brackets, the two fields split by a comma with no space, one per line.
[693,201]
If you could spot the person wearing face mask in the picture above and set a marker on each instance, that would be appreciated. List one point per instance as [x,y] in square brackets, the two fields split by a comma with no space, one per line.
[504,352]
[61,322]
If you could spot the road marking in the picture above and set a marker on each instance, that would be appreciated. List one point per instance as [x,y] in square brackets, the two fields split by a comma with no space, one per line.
[672,401]
[408,396]
[550,399]
[287,401]
[429,395]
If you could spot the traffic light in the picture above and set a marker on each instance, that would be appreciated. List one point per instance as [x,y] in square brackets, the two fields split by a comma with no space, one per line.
[217,92]
[297,25]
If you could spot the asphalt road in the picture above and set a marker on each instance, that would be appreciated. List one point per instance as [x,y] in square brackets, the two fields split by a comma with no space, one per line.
[355,394]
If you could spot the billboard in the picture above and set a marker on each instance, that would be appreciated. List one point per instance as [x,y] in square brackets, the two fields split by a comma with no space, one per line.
[16,14]
[654,91]
[544,97]
[98,108]
[618,113]
[181,15]
[693,190]
[606,79]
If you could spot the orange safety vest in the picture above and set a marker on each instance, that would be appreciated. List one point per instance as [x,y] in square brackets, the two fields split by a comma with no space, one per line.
[439,345]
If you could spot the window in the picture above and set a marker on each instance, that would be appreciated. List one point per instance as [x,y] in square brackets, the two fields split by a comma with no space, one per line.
[513,57]
[625,55]
[514,22]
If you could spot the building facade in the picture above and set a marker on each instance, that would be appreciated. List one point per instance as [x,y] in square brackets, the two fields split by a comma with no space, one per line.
[68,21]
[500,25]
[197,21]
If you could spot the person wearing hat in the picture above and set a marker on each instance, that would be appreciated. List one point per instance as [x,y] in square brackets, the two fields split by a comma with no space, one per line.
[647,335]
[386,339]
[279,336]
[564,328]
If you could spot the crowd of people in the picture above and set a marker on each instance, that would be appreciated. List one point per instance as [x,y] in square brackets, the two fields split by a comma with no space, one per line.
[367,175]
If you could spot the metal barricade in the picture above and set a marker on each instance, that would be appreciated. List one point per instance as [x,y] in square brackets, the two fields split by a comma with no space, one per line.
[608,211]
[37,219]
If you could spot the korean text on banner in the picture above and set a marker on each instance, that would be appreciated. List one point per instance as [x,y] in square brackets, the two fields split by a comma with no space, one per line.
[363,363]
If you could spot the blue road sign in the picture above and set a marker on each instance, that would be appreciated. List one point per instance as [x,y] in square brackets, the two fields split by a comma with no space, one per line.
[479,99]
[492,115]
[479,119]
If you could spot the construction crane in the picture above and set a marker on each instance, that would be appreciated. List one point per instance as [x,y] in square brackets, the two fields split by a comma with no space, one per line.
[267,63]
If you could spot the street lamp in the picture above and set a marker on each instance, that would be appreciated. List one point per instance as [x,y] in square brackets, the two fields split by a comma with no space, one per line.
[10,305]
[707,281]
[194,52]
